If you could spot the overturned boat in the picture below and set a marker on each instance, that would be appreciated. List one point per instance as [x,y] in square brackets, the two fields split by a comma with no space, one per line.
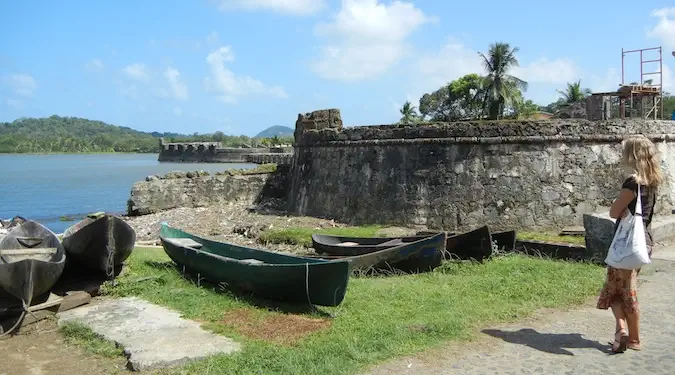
[100,242]
[31,261]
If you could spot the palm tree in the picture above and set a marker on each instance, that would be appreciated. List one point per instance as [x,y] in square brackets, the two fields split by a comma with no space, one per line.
[408,113]
[574,93]
[501,88]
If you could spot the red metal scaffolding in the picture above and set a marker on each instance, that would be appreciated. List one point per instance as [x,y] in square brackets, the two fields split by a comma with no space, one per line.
[642,90]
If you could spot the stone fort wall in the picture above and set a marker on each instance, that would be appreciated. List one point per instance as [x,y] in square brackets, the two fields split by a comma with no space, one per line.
[213,152]
[455,176]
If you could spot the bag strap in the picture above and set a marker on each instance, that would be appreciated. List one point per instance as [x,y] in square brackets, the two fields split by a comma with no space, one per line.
[638,204]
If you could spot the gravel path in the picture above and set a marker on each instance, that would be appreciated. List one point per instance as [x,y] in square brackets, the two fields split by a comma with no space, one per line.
[233,223]
[572,342]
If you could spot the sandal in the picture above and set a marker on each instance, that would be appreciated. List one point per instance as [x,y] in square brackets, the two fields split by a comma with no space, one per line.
[634,345]
[622,341]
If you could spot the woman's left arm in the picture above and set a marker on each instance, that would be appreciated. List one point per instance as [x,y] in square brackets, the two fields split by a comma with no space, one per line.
[620,205]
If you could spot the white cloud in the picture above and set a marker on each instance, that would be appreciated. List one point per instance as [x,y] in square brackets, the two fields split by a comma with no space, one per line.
[227,86]
[609,82]
[543,70]
[453,61]
[23,84]
[138,72]
[16,104]
[178,88]
[293,7]
[664,30]
[366,38]
[177,111]
[94,65]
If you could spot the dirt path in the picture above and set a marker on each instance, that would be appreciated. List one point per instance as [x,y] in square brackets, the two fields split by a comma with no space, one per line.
[39,349]
[570,342]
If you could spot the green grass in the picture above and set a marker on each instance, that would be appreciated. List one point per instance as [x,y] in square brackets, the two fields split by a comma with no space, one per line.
[380,318]
[303,236]
[550,237]
[82,336]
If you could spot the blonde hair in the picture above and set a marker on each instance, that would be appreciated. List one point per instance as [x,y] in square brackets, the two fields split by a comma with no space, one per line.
[640,154]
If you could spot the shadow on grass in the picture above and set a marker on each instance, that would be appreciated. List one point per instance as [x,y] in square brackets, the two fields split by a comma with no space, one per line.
[240,294]
[554,343]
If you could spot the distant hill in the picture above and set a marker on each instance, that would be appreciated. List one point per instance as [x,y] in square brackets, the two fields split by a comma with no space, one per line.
[57,134]
[71,135]
[278,130]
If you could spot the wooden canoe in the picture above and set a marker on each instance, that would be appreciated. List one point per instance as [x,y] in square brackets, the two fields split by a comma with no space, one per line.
[409,254]
[505,241]
[31,261]
[264,273]
[474,244]
[93,241]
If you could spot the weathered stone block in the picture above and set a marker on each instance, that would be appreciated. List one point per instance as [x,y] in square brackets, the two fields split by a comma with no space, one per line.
[599,230]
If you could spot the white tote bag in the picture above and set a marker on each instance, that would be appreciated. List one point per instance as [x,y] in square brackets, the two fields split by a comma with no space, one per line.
[628,250]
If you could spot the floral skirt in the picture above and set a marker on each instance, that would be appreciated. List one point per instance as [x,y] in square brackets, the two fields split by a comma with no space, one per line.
[620,286]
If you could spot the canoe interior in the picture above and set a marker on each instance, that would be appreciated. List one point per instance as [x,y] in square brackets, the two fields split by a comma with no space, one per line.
[87,242]
[266,274]
[407,254]
[351,246]
[31,261]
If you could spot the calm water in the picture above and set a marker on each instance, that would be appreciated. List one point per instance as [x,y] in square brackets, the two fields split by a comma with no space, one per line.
[46,187]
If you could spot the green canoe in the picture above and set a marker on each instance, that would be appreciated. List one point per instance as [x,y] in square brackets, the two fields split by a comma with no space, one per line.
[263,273]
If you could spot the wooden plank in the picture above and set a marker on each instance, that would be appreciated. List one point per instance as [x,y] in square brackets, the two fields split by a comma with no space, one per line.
[52,301]
[73,300]
[43,250]
[573,231]
[394,242]
[36,317]
[189,242]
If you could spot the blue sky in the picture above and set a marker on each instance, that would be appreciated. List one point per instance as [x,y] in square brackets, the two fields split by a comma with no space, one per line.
[239,66]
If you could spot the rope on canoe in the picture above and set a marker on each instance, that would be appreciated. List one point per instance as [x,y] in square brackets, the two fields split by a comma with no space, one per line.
[18,322]
[309,300]
[110,249]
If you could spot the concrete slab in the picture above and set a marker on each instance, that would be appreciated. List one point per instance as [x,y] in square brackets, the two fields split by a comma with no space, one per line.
[152,336]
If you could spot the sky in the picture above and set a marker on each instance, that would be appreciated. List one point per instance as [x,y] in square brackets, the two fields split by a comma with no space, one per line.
[240,66]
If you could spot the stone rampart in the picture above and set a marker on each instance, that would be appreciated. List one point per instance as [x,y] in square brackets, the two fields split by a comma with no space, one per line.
[199,189]
[212,152]
[455,176]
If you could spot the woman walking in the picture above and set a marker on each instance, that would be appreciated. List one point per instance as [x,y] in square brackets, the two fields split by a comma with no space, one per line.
[639,156]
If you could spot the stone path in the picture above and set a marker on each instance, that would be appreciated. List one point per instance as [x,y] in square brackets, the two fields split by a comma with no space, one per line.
[572,342]
[151,335]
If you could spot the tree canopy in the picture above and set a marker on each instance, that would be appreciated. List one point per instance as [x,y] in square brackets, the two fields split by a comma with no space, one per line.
[498,94]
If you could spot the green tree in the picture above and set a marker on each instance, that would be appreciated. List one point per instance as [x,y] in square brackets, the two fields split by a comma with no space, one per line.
[574,93]
[524,108]
[408,113]
[458,100]
[501,88]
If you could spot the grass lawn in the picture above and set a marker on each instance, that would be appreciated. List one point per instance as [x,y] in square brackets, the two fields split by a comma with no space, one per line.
[380,318]
[303,236]
[551,237]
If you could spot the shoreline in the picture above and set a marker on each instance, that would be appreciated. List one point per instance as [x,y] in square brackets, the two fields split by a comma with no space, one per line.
[79,153]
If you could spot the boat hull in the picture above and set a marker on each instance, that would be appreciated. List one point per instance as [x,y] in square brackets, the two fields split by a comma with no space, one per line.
[87,243]
[475,244]
[27,276]
[408,254]
[270,275]
[505,241]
